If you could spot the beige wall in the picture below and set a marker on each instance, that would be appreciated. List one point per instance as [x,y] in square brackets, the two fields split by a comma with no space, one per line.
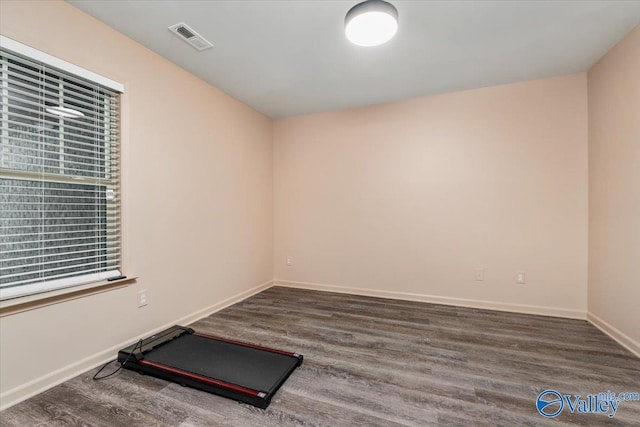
[402,200]
[197,179]
[412,197]
[614,191]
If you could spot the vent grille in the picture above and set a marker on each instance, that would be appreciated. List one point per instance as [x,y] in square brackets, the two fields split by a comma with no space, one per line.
[184,32]
[190,36]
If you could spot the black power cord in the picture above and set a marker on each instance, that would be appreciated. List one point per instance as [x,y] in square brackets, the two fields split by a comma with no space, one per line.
[96,377]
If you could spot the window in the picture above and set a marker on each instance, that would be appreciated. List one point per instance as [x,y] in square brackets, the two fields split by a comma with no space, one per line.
[59,174]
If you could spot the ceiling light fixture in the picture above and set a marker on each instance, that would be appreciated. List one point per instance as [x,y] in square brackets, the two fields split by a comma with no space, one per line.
[371,23]
[65,112]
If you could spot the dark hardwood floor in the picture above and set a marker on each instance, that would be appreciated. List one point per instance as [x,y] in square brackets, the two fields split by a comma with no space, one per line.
[370,362]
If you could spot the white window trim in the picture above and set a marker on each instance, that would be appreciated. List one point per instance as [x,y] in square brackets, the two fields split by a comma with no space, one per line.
[51,60]
[57,284]
[16,305]
[16,295]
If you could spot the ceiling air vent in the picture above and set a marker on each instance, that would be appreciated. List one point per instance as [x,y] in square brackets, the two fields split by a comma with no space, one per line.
[190,36]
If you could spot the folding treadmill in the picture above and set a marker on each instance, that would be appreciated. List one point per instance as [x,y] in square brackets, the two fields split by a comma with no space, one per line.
[237,370]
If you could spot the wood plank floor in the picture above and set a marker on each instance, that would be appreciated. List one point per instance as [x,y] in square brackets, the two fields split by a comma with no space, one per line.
[370,362]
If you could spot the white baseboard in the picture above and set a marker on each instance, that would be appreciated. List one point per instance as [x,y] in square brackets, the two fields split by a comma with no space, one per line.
[460,302]
[38,385]
[623,339]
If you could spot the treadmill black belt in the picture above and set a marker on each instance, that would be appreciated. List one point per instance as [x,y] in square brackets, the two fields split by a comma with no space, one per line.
[241,371]
[235,364]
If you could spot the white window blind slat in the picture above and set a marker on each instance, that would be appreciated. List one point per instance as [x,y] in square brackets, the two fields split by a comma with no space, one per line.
[44,122]
[43,272]
[36,157]
[32,205]
[72,263]
[53,190]
[32,196]
[49,141]
[35,108]
[109,242]
[27,66]
[23,85]
[68,167]
[49,226]
[95,108]
[59,175]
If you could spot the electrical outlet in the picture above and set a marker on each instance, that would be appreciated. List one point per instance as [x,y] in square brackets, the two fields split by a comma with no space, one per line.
[142,298]
[289,261]
[520,278]
[479,274]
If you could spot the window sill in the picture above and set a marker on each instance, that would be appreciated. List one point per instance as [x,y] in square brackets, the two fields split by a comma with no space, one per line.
[31,302]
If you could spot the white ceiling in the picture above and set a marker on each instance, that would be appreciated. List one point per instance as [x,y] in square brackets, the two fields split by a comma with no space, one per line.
[286,58]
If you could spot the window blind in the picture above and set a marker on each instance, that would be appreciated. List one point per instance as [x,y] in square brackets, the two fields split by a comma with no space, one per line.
[59,178]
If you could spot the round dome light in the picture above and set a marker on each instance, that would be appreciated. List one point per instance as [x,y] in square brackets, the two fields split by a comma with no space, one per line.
[371,23]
